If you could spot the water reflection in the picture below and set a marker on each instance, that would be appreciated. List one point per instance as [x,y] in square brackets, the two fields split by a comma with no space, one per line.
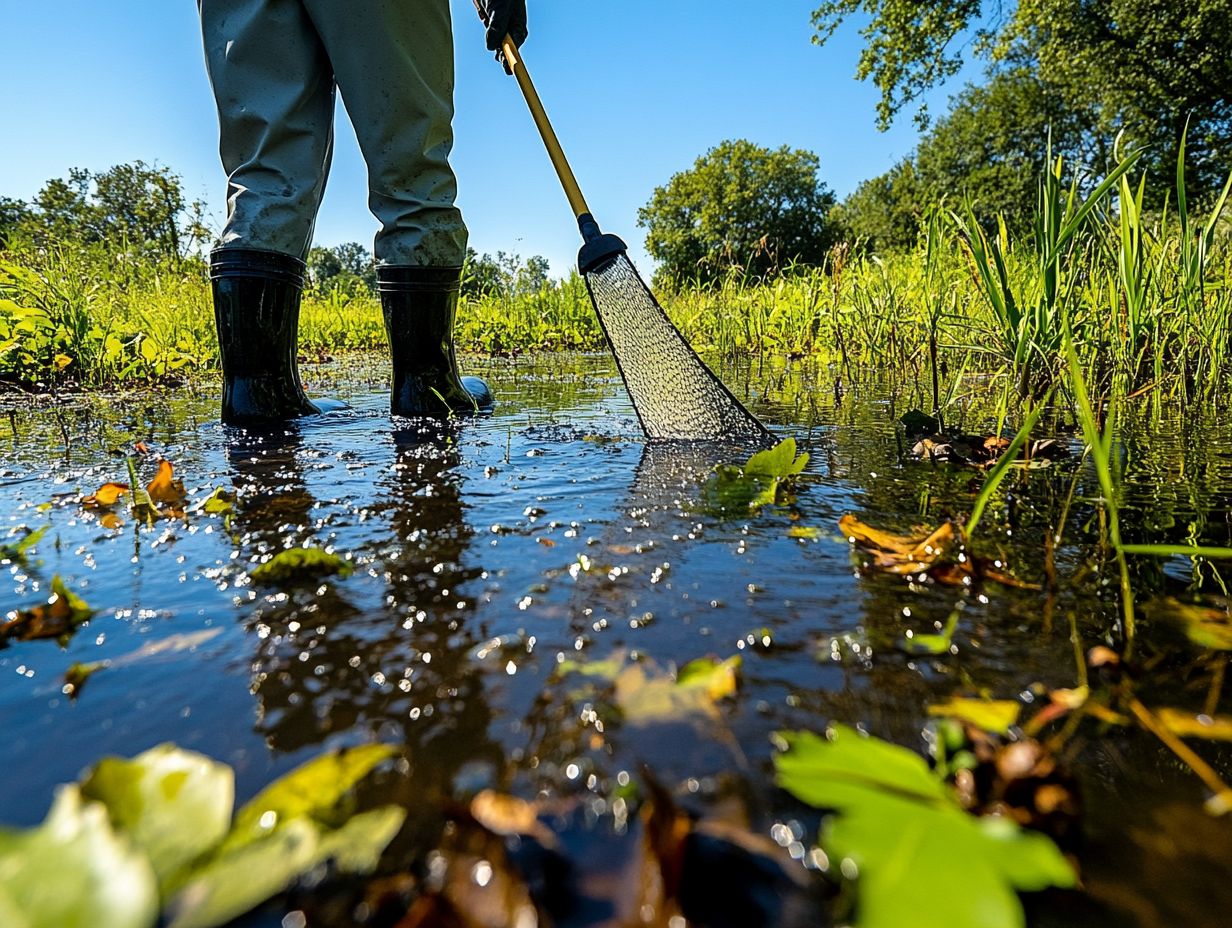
[400,670]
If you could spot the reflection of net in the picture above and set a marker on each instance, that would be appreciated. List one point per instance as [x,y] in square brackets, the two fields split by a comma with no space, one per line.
[675,395]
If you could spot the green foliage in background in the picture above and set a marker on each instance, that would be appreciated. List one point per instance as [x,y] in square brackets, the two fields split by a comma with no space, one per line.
[1082,70]
[739,205]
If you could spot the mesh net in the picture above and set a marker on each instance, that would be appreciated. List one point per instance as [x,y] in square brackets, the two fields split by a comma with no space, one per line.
[674,393]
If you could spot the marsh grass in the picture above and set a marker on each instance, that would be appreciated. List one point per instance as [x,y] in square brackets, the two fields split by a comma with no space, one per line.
[1146,297]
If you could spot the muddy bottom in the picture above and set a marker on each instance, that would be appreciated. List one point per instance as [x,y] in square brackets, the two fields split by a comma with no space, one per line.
[489,552]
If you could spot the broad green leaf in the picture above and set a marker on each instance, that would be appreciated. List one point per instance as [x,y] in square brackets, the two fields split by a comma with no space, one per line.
[779,461]
[920,866]
[646,694]
[300,564]
[17,550]
[244,876]
[73,871]
[356,847]
[918,859]
[172,804]
[994,715]
[816,769]
[315,790]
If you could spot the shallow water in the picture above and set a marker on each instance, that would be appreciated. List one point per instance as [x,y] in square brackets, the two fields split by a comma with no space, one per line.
[489,551]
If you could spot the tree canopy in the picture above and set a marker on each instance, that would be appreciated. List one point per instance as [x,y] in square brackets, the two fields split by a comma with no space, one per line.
[135,205]
[1077,73]
[739,205]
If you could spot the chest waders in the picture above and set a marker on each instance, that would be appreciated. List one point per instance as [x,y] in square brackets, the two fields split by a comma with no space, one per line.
[276,67]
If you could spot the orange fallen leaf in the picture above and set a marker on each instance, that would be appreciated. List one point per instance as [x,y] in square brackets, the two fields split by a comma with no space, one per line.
[164,489]
[106,495]
[141,448]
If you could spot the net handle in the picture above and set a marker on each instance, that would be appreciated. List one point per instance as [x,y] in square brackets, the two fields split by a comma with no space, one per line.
[513,59]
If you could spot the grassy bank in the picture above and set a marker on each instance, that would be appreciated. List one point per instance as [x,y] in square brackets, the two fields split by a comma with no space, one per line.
[1147,299]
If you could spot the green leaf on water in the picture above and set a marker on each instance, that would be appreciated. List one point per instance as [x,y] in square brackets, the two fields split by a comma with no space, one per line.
[174,805]
[780,461]
[316,790]
[761,481]
[917,858]
[17,550]
[301,564]
[74,871]
[292,826]
[77,675]
[219,503]
[1207,623]
[993,715]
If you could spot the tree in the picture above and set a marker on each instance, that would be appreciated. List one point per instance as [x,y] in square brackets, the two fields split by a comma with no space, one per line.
[739,205]
[883,213]
[13,214]
[347,268]
[1144,67]
[134,206]
[988,149]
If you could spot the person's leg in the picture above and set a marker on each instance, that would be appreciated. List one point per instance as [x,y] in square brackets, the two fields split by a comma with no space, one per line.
[275,94]
[393,61]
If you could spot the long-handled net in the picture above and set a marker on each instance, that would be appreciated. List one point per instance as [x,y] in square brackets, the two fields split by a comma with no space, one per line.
[675,394]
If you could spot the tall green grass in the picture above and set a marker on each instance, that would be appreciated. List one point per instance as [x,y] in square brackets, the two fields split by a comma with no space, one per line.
[1146,296]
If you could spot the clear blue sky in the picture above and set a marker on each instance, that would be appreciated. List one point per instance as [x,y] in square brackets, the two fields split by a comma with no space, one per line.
[637,89]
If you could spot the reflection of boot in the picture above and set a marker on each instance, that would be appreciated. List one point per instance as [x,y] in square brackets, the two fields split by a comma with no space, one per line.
[419,305]
[256,309]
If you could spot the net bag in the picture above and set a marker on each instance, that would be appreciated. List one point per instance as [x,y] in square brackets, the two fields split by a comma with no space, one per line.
[674,393]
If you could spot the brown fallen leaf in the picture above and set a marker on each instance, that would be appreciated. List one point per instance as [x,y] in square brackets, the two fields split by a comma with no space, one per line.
[141,448]
[164,489]
[58,618]
[940,554]
[105,496]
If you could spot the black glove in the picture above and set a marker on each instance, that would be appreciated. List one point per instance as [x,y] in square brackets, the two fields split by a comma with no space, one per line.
[503,17]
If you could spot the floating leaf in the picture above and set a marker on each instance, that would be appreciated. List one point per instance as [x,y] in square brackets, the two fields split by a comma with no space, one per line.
[300,564]
[645,693]
[220,502]
[240,879]
[718,679]
[77,674]
[1189,725]
[73,871]
[105,496]
[17,550]
[918,858]
[164,488]
[806,532]
[1208,622]
[174,805]
[780,461]
[295,824]
[313,790]
[761,481]
[995,715]
[59,618]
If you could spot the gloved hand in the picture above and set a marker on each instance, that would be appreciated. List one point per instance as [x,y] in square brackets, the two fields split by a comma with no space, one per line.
[503,17]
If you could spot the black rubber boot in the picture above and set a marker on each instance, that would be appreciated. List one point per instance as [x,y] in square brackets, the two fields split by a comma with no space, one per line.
[256,308]
[419,304]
